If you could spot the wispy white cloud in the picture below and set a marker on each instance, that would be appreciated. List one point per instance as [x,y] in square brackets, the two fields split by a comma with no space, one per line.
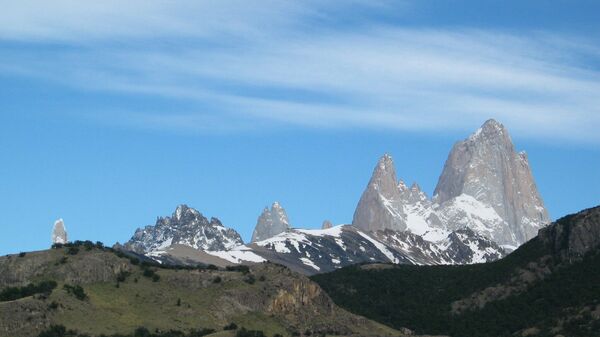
[292,63]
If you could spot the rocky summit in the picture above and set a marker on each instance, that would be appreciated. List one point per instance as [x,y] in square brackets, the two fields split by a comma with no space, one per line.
[485,186]
[380,206]
[270,223]
[186,227]
[486,168]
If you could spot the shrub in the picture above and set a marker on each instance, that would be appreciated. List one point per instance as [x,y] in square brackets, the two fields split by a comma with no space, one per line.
[240,268]
[201,332]
[22,254]
[14,293]
[212,267]
[54,331]
[72,250]
[142,332]
[155,278]
[217,279]
[230,326]
[76,291]
[249,333]
[122,276]
[249,279]
[88,245]
[148,272]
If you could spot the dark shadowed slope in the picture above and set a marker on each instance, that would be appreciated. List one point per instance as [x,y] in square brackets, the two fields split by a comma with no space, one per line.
[549,286]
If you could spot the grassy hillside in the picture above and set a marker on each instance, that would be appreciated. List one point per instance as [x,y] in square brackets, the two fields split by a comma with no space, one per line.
[97,291]
[532,291]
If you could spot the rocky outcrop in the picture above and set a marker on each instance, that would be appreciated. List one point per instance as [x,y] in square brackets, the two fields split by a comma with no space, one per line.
[326,224]
[59,232]
[573,236]
[270,223]
[187,227]
[557,246]
[299,296]
[487,168]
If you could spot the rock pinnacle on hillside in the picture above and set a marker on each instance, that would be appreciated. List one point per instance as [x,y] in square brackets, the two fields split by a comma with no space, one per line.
[59,232]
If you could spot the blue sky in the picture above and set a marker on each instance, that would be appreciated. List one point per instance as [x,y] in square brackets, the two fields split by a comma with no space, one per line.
[113,113]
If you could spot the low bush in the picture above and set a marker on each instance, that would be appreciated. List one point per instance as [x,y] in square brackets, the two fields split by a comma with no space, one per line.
[72,250]
[14,293]
[249,333]
[230,326]
[76,291]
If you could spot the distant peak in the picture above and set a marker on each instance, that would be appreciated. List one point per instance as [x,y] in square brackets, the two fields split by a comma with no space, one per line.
[326,224]
[492,125]
[184,209]
[385,164]
[270,222]
[491,128]
[402,185]
[386,158]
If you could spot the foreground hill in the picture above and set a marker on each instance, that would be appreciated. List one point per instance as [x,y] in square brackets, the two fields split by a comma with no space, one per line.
[96,290]
[550,286]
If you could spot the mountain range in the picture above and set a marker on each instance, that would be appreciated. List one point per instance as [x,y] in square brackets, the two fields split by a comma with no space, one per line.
[485,205]
[547,287]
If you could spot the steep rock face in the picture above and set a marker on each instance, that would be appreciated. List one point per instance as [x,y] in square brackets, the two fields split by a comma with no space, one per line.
[573,236]
[187,227]
[59,232]
[486,167]
[270,223]
[380,206]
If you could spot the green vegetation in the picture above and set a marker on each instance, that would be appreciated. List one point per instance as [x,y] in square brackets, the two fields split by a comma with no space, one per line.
[76,291]
[420,297]
[230,326]
[61,331]
[14,293]
[105,292]
[249,333]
